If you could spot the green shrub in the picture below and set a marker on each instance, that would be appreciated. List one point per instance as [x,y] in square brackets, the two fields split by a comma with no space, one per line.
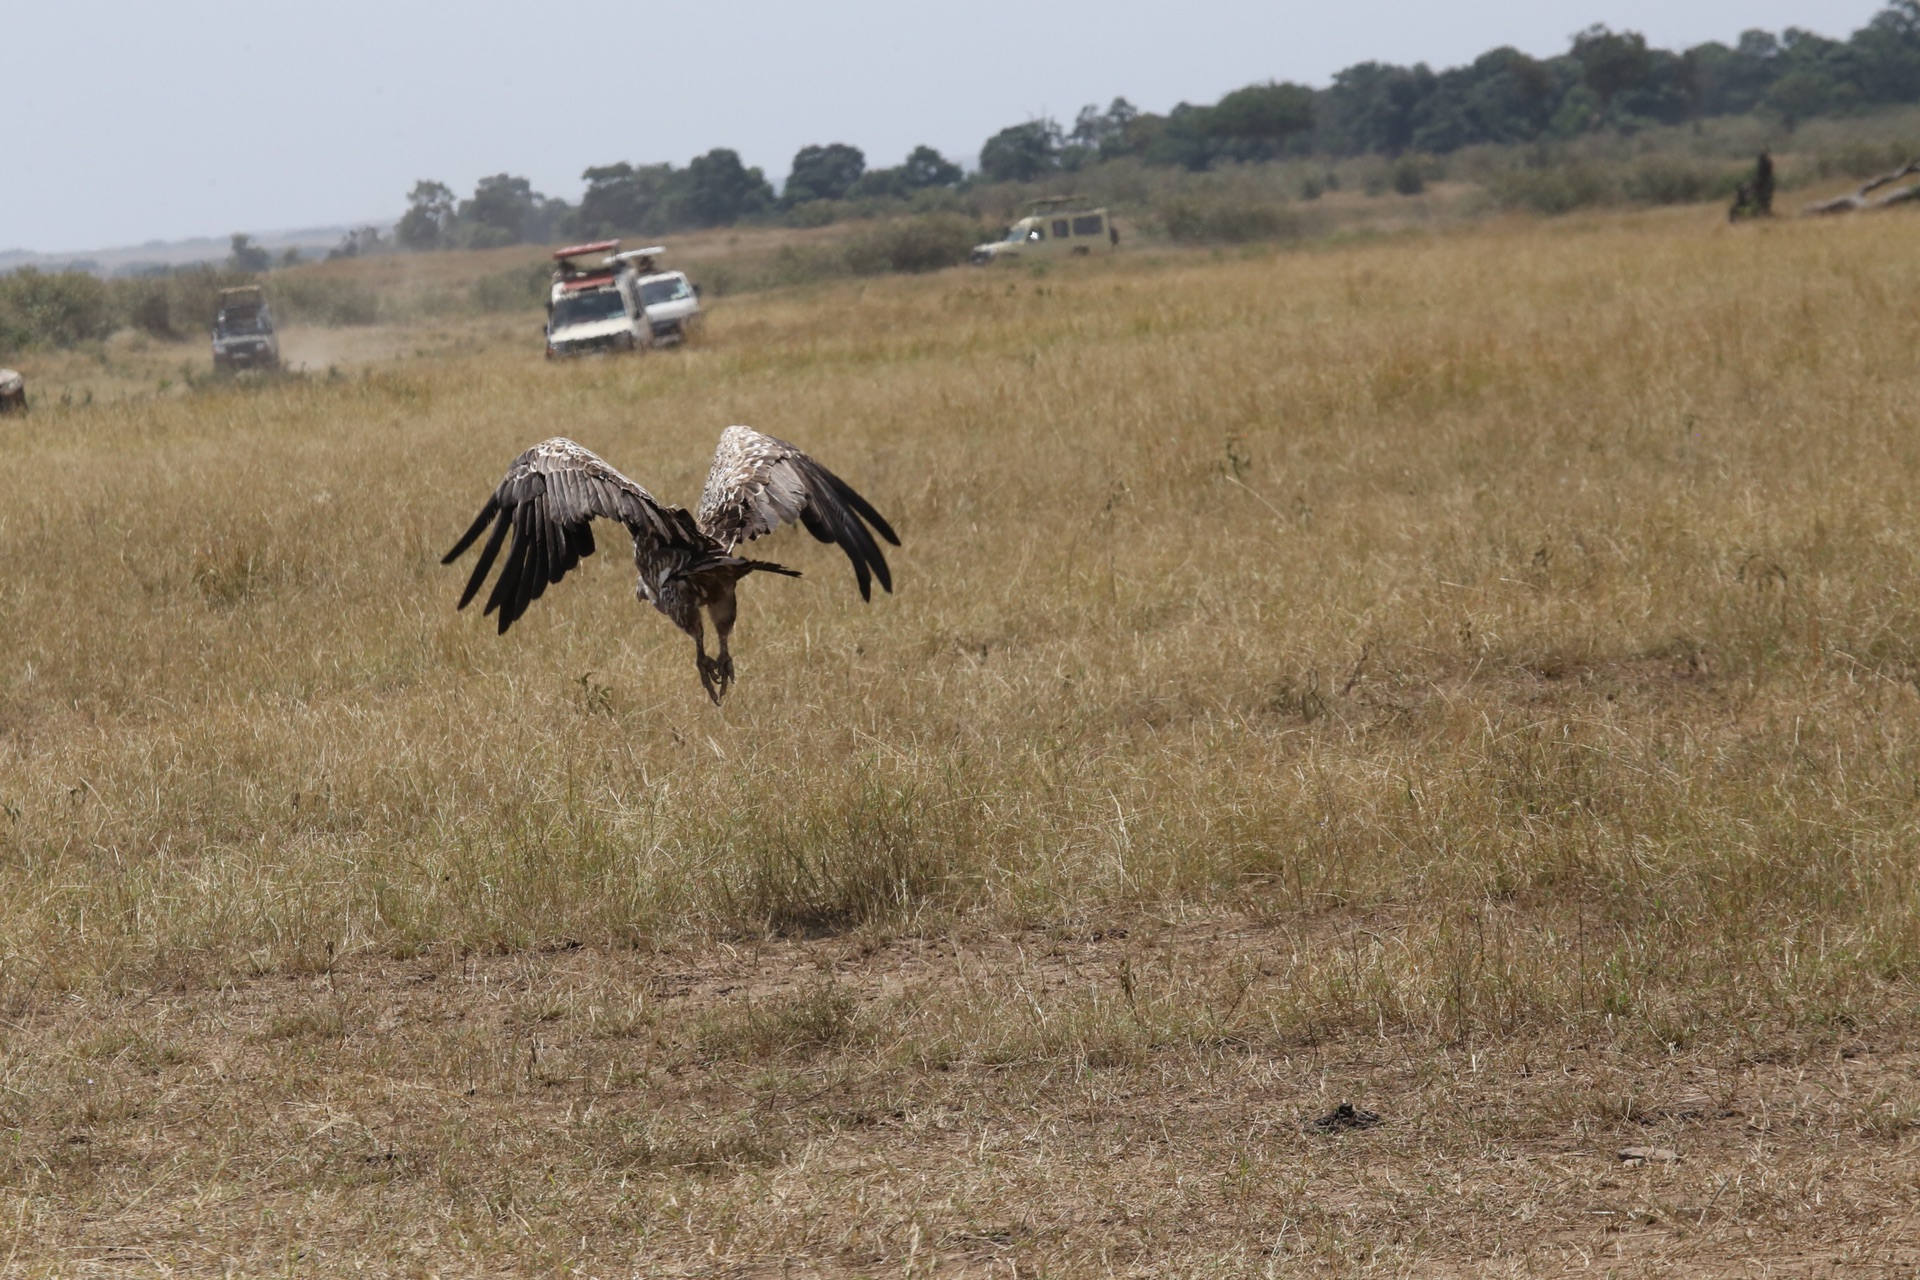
[1226,219]
[53,309]
[176,304]
[1676,180]
[812,213]
[1409,178]
[144,305]
[1560,189]
[925,243]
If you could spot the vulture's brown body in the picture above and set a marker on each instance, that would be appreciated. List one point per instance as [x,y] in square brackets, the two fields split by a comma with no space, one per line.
[554,491]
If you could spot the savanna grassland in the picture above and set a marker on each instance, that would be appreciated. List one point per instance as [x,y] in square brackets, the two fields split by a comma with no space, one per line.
[1473,674]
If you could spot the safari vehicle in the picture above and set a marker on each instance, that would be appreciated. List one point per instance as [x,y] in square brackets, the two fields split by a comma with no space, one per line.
[13,392]
[606,300]
[1054,229]
[243,336]
[672,304]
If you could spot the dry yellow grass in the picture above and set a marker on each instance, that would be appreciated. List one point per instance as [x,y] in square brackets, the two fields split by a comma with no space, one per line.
[1490,652]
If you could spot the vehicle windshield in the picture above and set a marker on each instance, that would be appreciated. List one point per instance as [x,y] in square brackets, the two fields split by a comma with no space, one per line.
[242,322]
[586,308]
[1016,235]
[671,289]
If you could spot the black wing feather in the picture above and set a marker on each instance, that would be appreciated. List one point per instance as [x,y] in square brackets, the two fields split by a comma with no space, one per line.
[473,531]
[548,500]
[503,521]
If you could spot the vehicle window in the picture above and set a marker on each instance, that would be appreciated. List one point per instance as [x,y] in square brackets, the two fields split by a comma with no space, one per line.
[586,308]
[1087,225]
[1036,234]
[672,289]
[1016,235]
[241,322]
[1060,229]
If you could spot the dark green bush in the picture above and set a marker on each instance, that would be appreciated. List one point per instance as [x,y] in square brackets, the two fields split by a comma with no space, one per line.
[925,243]
[53,309]
[177,304]
[144,305]
[1409,178]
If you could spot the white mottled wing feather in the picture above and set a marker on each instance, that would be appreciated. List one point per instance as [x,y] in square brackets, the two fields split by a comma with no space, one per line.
[758,483]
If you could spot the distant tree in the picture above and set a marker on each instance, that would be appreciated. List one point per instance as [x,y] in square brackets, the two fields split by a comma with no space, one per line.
[1099,135]
[247,256]
[923,170]
[1887,50]
[1021,152]
[823,173]
[1373,107]
[721,190]
[1614,62]
[289,257]
[622,198]
[926,168]
[1799,95]
[1184,139]
[1258,122]
[500,211]
[1503,96]
[357,243]
[428,221]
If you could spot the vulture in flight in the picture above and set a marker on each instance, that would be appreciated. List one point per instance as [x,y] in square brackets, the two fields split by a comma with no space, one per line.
[553,492]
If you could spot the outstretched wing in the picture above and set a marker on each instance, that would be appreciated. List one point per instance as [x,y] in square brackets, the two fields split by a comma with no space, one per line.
[759,483]
[550,497]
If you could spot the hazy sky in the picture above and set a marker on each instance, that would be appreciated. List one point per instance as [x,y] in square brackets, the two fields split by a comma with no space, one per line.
[162,121]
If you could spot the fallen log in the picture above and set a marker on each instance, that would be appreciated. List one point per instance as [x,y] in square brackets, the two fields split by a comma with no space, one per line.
[1864,199]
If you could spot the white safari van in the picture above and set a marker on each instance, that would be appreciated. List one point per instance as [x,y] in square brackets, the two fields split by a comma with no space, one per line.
[606,300]
[1054,228]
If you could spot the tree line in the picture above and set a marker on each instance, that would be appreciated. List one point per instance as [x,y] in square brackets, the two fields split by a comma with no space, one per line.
[1606,80]
[713,190]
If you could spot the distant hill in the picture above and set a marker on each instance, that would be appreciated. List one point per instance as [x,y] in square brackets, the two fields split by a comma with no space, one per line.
[312,242]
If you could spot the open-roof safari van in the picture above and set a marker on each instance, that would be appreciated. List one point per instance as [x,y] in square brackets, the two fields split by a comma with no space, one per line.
[1054,228]
[243,336]
[606,300]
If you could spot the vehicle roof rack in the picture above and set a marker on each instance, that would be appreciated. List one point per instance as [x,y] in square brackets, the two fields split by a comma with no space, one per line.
[582,250]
